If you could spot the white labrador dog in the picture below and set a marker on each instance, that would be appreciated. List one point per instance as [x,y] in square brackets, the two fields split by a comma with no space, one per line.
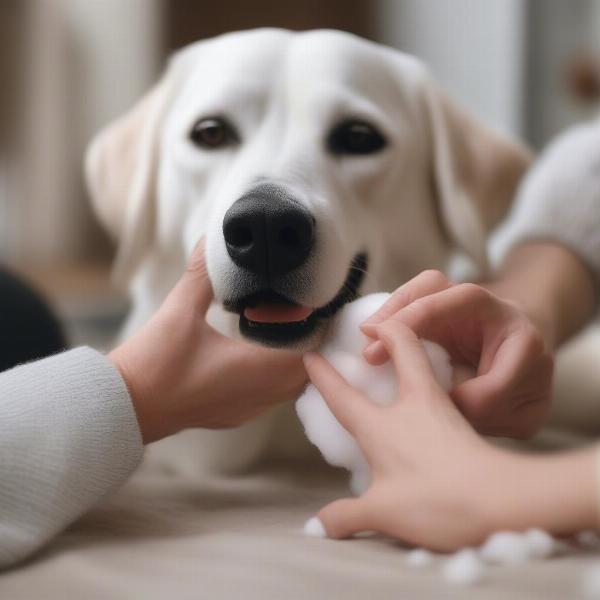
[318,165]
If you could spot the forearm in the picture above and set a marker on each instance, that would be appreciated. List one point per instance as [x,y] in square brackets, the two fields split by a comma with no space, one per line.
[551,284]
[556,492]
[68,437]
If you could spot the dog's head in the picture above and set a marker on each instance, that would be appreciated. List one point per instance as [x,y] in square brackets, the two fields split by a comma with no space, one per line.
[318,165]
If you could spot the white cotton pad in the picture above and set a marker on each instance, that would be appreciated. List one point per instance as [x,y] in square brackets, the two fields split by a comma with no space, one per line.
[464,568]
[419,558]
[343,347]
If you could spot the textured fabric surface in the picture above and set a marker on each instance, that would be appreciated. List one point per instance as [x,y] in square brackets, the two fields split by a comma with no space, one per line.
[168,537]
[68,437]
[559,199]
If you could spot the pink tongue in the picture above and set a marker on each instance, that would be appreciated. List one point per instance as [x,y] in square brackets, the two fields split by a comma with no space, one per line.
[277,313]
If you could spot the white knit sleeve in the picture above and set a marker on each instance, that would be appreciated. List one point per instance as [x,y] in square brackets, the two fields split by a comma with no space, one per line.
[559,199]
[68,437]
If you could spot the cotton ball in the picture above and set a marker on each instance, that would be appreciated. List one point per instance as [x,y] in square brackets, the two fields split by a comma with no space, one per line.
[314,528]
[419,558]
[464,568]
[591,582]
[324,431]
[506,548]
[345,328]
[540,543]
[377,382]
[343,348]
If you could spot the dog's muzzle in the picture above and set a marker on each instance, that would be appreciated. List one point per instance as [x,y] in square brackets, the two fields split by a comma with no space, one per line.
[270,237]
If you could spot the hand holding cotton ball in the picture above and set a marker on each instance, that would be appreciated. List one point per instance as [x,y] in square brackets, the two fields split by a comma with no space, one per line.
[343,348]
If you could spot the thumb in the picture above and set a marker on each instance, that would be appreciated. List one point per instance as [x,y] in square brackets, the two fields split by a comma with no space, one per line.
[194,285]
[344,517]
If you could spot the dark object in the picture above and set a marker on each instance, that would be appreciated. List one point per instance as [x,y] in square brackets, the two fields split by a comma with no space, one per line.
[213,133]
[583,78]
[28,328]
[268,232]
[187,21]
[355,137]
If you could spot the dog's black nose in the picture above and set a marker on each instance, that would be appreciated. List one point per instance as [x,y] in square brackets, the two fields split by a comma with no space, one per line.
[268,233]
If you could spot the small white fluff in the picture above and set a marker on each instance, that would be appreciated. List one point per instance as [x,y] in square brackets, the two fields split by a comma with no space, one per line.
[314,528]
[541,543]
[343,347]
[419,558]
[512,548]
[506,548]
[464,568]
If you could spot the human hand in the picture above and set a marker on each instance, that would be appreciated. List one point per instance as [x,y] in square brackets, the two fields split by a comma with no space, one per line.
[511,391]
[434,481]
[181,373]
[429,469]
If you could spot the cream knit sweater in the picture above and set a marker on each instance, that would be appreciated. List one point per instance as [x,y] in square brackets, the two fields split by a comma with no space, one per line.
[68,437]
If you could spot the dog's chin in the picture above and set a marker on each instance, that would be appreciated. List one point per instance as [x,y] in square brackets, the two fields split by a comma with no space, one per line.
[300,333]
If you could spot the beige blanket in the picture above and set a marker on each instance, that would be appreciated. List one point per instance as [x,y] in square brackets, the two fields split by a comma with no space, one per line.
[165,537]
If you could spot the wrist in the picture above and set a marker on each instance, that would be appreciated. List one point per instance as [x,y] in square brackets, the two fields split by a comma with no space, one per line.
[557,493]
[551,286]
[154,424]
[539,313]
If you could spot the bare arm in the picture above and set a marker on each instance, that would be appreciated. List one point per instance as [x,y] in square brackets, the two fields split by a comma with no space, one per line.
[551,285]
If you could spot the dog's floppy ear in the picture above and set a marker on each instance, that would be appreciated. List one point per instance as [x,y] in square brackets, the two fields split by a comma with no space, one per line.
[475,169]
[121,170]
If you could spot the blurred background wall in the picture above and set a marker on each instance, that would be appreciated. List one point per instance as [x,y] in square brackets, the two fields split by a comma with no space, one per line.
[69,66]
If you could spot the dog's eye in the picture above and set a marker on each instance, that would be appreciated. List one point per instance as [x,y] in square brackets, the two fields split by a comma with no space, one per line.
[355,137]
[213,133]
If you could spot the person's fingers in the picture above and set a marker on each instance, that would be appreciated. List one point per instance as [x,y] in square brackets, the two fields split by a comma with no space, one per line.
[348,405]
[345,517]
[375,353]
[194,286]
[407,352]
[427,282]
[531,417]
[519,370]
[431,315]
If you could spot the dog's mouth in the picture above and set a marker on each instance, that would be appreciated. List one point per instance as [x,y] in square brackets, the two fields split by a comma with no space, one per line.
[274,320]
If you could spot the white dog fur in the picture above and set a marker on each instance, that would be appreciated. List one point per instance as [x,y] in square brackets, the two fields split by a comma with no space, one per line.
[442,182]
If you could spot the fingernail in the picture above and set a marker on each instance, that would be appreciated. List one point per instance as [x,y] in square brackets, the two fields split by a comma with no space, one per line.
[369,348]
[372,320]
[368,328]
